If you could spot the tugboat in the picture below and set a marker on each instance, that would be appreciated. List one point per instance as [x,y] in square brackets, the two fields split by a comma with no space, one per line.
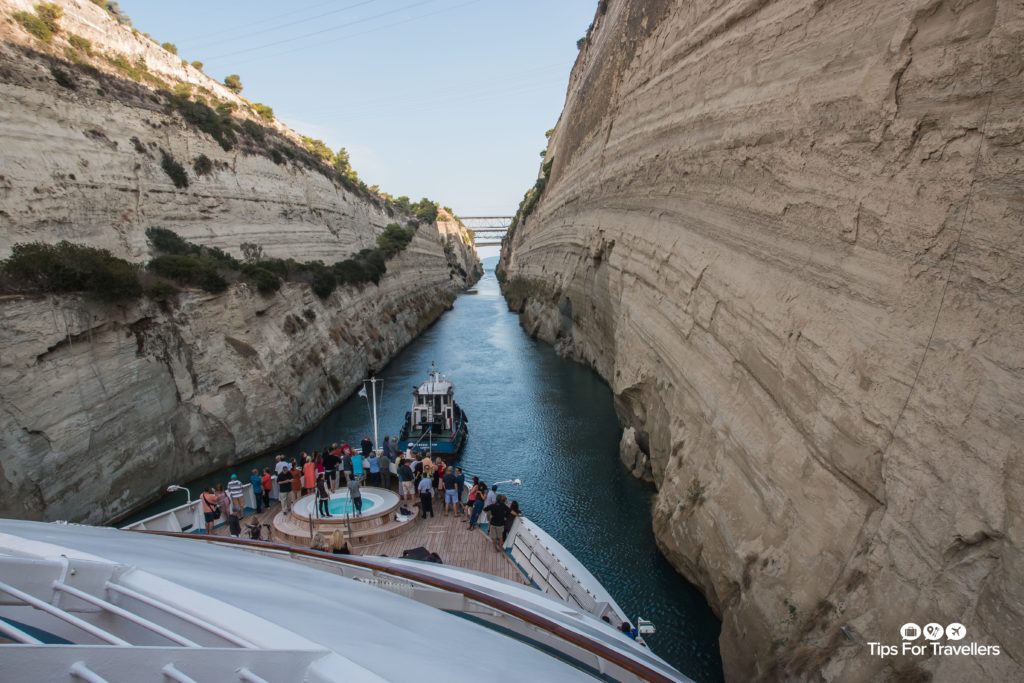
[436,423]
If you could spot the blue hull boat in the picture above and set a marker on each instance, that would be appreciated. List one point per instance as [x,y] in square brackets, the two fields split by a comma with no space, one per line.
[436,424]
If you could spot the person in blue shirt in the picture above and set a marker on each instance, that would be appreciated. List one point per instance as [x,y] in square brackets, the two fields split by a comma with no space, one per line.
[357,466]
[374,463]
[257,489]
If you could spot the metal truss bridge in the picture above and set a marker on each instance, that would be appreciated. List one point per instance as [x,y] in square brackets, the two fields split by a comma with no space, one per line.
[488,230]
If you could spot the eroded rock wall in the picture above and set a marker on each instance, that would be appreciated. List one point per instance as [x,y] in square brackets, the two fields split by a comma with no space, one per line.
[83,160]
[101,406]
[789,235]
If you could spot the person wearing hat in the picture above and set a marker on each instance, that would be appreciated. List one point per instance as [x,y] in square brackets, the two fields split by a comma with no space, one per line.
[236,492]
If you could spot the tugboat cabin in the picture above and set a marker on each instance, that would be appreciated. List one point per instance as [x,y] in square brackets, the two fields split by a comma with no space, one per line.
[436,423]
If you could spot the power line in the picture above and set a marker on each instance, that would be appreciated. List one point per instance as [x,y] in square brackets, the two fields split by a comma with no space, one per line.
[323,30]
[278,27]
[234,64]
[258,22]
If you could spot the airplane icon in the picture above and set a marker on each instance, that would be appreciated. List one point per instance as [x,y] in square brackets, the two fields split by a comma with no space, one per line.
[955,631]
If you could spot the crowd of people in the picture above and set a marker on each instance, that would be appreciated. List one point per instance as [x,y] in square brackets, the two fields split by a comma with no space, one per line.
[340,466]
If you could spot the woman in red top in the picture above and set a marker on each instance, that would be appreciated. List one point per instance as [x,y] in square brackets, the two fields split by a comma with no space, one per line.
[308,475]
[268,485]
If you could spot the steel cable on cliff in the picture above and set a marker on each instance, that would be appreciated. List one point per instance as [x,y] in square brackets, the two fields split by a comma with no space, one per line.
[949,276]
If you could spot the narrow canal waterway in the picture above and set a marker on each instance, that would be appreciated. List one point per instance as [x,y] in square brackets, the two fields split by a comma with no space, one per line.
[549,422]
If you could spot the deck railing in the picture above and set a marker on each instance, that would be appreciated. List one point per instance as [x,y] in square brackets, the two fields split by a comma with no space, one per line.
[634,665]
[188,517]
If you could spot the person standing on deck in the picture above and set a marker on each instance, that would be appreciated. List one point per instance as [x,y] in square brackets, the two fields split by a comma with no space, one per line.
[385,468]
[267,486]
[373,462]
[386,446]
[296,484]
[223,500]
[284,487]
[513,515]
[367,446]
[235,519]
[308,475]
[426,497]
[498,511]
[460,486]
[405,477]
[236,492]
[318,464]
[356,496]
[451,492]
[490,498]
[470,495]
[478,503]
[323,497]
[357,466]
[257,486]
[211,509]
[331,460]
[281,465]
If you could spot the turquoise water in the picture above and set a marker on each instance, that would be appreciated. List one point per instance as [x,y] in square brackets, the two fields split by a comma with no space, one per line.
[343,505]
[549,422]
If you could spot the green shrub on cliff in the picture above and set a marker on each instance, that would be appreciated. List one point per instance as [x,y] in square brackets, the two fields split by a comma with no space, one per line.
[67,267]
[44,24]
[263,111]
[394,239]
[174,170]
[266,281]
[81,44]
[189,270]
[170,47]
[234,83]
[202,165]
[218,124]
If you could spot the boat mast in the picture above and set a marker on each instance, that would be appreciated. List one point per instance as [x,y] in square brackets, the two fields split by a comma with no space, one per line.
[373,390]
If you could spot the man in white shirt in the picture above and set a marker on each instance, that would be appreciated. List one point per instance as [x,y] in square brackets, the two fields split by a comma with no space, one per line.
[236,492]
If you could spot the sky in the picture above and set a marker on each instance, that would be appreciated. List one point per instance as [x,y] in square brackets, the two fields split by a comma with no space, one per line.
[446,99]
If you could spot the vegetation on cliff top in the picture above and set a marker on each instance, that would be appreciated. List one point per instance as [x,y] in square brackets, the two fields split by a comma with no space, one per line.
[44,23]
[215,115]
[36,268]
[66,267]
[532,197]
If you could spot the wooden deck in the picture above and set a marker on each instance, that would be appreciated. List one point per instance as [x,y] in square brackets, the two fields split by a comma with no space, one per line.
[446,536]
[457,546]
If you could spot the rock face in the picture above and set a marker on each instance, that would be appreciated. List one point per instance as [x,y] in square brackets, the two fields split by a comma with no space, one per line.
[83,161]
[103,405]
[789,235]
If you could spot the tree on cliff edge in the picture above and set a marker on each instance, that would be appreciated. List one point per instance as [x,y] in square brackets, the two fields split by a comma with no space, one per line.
[234,83]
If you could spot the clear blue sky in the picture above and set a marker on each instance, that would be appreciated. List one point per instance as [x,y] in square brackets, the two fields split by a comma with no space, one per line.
[447,99]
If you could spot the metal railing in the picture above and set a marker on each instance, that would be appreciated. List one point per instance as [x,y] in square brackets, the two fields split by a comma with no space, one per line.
[581,640]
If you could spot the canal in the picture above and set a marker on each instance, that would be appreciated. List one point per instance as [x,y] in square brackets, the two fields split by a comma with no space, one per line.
[550,422]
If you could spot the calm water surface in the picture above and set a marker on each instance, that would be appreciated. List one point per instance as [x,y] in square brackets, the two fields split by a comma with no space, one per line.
[549,422]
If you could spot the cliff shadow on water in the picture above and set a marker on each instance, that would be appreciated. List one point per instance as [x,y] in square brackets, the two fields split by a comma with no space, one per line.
[550,422]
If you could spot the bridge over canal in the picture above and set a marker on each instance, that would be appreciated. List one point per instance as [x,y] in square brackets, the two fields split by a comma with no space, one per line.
[487,230]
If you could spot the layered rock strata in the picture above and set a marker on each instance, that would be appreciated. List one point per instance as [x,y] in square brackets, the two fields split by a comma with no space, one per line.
[789,235]
[103,405]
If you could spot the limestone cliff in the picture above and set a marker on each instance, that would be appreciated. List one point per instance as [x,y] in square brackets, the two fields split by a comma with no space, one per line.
[789,235]
[102,405]
[84,143]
